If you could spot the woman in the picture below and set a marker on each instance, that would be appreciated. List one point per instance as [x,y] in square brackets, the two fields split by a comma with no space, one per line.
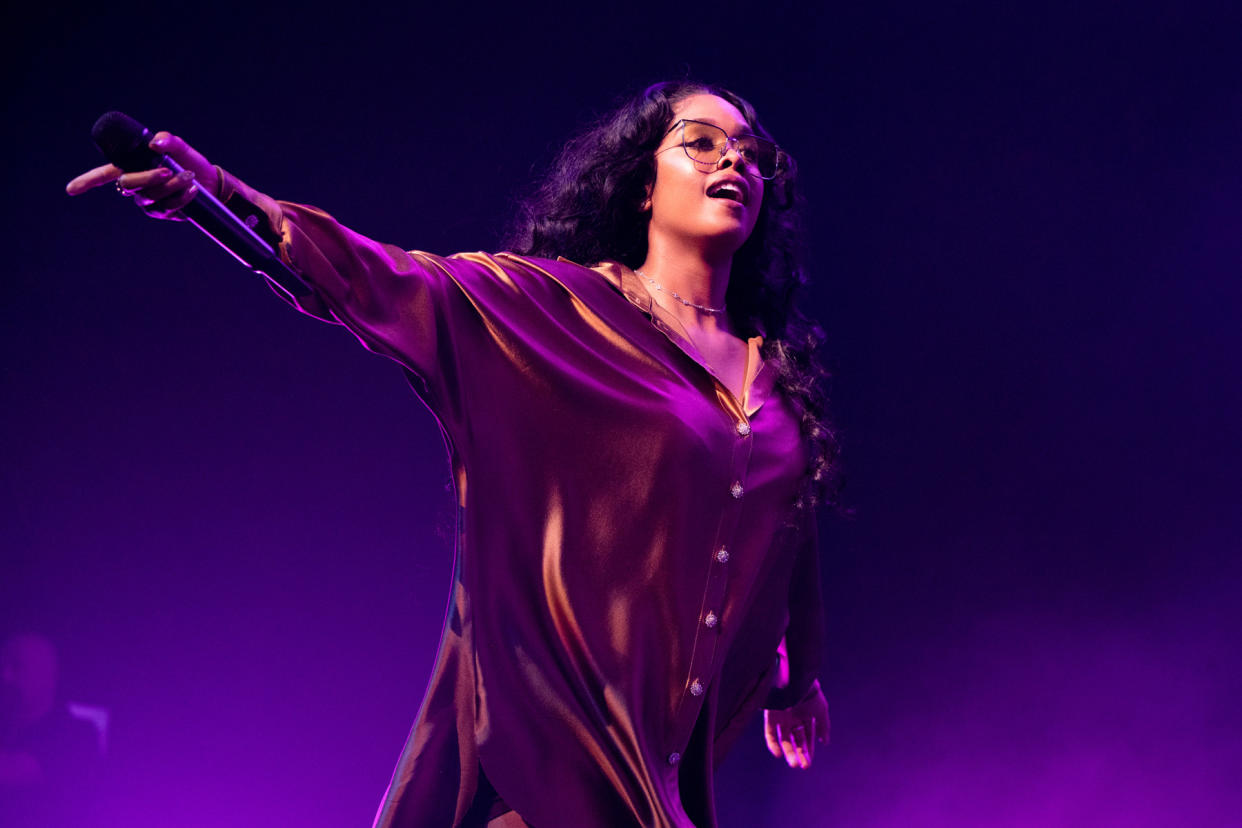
[635,466]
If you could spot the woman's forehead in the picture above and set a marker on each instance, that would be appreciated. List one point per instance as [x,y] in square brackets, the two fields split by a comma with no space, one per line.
[711,109]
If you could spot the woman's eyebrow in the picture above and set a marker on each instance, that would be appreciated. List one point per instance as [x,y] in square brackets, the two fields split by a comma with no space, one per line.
[743,130]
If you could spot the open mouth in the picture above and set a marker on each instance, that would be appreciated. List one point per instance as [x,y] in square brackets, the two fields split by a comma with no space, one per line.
[727,190]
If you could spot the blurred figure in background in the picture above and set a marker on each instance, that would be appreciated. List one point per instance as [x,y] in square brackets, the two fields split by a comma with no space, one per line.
[48,758]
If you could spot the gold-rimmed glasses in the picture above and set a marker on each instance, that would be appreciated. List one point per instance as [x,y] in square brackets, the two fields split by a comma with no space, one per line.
[705,144]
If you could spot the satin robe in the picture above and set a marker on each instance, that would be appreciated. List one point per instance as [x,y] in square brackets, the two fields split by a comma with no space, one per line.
[628,554]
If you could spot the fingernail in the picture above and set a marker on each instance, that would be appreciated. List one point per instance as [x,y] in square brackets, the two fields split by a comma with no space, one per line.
[186,175]
[163,172]
[160,141]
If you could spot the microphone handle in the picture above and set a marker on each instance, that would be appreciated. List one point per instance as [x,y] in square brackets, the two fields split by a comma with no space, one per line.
[238,237]
[208,213]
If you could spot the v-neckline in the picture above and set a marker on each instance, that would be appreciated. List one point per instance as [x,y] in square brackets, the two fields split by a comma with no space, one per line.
[753,392]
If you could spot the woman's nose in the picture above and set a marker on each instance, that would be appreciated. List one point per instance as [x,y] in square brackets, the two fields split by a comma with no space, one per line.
[730,158]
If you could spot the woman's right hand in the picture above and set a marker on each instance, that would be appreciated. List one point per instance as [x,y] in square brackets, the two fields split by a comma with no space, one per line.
[158,192]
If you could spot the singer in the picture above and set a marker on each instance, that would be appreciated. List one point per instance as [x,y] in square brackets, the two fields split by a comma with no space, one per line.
[638,442]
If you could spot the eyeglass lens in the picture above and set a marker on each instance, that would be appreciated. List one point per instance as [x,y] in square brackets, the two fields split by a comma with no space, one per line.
[708,143]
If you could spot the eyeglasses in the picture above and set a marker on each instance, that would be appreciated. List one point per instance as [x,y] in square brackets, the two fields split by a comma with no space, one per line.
[706,144]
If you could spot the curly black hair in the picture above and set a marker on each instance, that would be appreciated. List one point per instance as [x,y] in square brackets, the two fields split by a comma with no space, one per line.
[589,208]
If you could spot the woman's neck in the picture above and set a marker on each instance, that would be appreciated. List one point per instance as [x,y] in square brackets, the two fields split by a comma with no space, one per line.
[691,287]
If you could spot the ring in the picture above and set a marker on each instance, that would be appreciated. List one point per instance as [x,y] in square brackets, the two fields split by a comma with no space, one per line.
[122,190]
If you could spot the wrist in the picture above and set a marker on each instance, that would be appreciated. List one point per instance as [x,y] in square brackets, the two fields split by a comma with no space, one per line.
[224,184]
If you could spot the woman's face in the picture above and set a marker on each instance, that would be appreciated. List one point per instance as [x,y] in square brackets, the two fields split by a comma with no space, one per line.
[712,207]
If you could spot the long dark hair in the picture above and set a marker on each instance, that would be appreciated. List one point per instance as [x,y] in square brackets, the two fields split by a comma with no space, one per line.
[588,208]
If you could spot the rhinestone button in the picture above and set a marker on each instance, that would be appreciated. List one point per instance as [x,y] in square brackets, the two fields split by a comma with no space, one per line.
[674,758]
[696,688]
[736,490]
[710,620]
[722,555]
[743,428]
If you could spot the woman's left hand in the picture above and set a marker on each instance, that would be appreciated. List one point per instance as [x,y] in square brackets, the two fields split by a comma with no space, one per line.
[793,733]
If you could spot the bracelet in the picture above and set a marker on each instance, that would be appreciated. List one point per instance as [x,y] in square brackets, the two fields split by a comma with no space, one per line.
[223,191]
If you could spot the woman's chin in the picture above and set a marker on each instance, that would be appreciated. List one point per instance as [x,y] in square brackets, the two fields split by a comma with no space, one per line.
[732,234]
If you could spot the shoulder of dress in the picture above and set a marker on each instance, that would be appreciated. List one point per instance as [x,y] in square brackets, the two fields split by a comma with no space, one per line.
[566,271]
[512,261]
[590,283]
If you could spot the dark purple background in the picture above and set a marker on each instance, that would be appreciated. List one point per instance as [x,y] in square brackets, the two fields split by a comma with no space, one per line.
[1025,231]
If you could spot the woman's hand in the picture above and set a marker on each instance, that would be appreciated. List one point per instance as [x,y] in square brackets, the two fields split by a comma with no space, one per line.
[793,733]
[159,192]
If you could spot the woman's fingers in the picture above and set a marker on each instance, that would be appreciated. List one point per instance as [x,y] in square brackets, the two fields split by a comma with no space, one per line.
[91,179]
[803,743]
[179,192]
[140,182]
[188,157]
[771,733]
[792,734]
[158,191]
[160,187]
[792,739]
[788,748]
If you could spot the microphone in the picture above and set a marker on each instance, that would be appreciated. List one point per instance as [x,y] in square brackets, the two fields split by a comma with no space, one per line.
[124,142]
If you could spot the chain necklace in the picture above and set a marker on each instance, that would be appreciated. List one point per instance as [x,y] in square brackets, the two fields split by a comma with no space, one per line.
[678,296]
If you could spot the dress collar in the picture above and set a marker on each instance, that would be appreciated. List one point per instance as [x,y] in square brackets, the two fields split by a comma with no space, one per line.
[758,382]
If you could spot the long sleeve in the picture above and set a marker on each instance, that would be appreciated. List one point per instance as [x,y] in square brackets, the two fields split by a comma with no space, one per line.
[804,638]
[434,315]
[384,294]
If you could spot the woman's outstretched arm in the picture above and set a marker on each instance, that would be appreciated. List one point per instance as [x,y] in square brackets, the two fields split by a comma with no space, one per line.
[434,315]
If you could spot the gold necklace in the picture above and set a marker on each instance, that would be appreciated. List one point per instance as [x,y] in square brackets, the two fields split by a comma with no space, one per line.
[678,297]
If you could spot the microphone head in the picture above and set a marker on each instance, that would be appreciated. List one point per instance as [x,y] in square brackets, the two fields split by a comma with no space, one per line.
[123,141]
